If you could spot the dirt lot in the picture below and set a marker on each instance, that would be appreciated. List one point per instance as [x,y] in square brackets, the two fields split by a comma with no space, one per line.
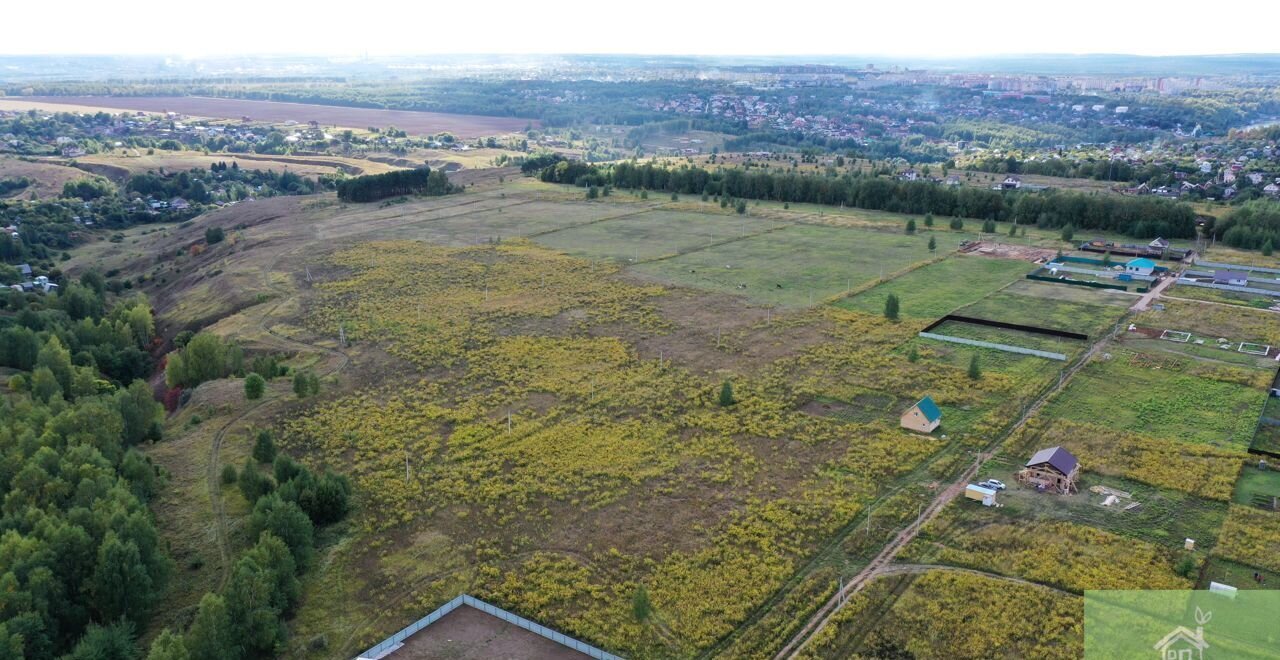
[47,178]
[467,633]
[1009,251]
[464,126]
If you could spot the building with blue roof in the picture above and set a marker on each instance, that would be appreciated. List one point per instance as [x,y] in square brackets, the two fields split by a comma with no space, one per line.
[923,417]
[1140,266]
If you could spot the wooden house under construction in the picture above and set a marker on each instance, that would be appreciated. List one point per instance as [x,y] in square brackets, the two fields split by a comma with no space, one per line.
[1054,469]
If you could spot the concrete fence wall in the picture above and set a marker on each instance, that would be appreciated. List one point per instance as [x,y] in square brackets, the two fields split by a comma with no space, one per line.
[999,347]
[1228,287]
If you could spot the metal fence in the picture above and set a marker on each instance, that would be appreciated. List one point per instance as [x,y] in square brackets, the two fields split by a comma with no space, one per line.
[1255,269]
[1228,287]
[999,347]
[395,641]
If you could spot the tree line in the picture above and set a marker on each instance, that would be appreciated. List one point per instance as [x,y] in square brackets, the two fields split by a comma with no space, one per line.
[81,562]
[1252,225]
[1134,216]
[373,187]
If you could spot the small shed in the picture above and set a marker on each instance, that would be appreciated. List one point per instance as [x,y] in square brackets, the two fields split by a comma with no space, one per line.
[923,417]
[1140,266]
[1231,277]
[1054,469]
[981,494]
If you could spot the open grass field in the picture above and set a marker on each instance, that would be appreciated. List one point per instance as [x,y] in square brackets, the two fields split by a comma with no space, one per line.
[941,288]
[1167,397]
[46,178]
[530,416]
[417,123]
[794,266]
[646,236]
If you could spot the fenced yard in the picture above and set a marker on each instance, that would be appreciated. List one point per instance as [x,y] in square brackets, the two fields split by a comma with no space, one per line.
[940,288]
[1166,397]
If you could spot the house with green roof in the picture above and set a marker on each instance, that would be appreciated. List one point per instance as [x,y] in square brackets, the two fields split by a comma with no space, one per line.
[923,417]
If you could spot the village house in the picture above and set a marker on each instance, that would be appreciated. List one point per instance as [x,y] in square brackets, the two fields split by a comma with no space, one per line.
[1271,189]
[923,417]
[1011,183]
[1053,469]
[1140,266]
[1231,277]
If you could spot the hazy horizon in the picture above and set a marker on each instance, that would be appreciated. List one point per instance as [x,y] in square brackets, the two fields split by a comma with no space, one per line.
[931,29]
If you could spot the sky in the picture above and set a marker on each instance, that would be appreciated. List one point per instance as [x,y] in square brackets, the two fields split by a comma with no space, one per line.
[905,28]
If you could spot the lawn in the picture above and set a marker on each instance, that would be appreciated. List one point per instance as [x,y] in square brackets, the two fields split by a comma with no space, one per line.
[1256,483]
[498,219]
[1240,576]
[1165,397]
[653,234]
[1059,307]
[794,266]
[940,288]
[1214,321]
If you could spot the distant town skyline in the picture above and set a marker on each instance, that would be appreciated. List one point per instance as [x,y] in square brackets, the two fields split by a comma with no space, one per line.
[923,29]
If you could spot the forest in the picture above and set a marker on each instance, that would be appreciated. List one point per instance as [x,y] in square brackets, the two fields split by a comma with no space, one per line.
[1141,217]
[373,187]
[1253,225]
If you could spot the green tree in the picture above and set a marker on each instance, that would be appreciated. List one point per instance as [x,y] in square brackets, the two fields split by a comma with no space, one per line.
[210,636]
[989,227]
[957,224]
[168,646]
[113,642]
[1267,248]
[44,385]
[1013,229]
[891,305]
[928,219]
[640,606]
[264,447]
[141,413]
[254,386]
[288,522]
[975,370]
[214,235]
[57,359]
[726,395]
[228,474]
[1068,232]
[305,383]
[911,225]
[253,484]
[933,243]
[121,586]
[741,207]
